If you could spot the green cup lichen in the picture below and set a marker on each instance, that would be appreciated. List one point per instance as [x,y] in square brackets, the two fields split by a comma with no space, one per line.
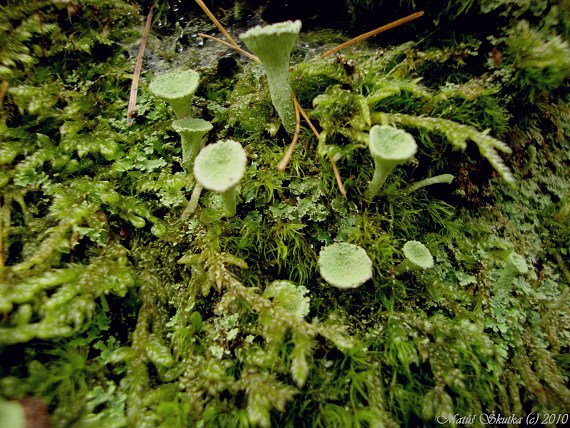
[273,45]
[177,89]
[417,257]
[220,167]
[389,148]
[12,414]
[192,132]
[344,265]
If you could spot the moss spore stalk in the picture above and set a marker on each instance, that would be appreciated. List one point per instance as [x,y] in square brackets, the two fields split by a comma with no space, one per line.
[191,131]
[389,148]
[273,45]
[177,89]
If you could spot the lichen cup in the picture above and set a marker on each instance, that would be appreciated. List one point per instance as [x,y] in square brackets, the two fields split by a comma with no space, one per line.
[273,44]
[220,167]
[191,131]
[177,89]
[389,148]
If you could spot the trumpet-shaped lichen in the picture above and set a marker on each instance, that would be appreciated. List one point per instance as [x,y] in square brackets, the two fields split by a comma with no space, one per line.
[273,45]
[117,312]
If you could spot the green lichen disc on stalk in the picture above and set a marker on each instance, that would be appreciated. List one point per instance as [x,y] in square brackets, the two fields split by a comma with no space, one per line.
[177,89]
[389,147]
[220,167]
[191,131]
[273,45]
[345,265]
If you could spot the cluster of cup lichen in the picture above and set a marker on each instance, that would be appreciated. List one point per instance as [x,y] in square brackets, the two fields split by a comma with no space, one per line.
[115,312]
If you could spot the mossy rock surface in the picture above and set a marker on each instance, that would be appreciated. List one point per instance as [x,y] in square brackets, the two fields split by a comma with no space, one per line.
[118,310]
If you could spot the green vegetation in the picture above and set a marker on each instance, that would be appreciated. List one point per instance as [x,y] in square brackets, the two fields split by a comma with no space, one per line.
[192,132]
[177,89]
[131,297]
[417,257]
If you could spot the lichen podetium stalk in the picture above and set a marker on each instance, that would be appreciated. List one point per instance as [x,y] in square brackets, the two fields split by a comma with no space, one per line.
[273,45]
[191,131]
[389,148]
[381,173]
[229,201]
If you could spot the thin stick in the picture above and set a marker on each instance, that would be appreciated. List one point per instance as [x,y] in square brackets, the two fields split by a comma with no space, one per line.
[287,157]
[3,91]
[337,176]
[41,27]
[131,109]
[306,117]
[229,45]
[216,22]
[372,33]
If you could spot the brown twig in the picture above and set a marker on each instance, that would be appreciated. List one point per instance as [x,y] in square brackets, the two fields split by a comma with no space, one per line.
[229,45]
[216,22]
[131,109]
[3,91]
[337,176]
[1,241]
[372,33]
[287,157]
[336,172]
[306,117]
